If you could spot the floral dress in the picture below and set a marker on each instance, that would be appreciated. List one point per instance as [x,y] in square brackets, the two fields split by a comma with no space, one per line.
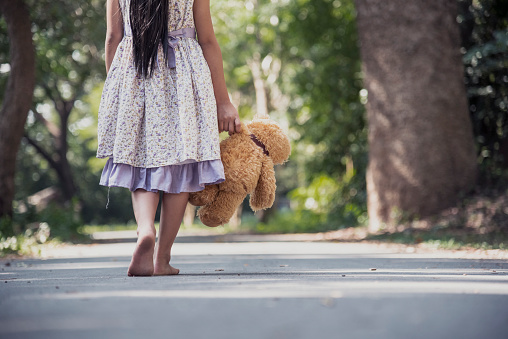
[160,133]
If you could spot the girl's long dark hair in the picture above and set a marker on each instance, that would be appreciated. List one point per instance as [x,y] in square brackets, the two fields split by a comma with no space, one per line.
[149,23]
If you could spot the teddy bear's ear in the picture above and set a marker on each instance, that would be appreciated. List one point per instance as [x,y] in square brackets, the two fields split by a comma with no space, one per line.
[273,137]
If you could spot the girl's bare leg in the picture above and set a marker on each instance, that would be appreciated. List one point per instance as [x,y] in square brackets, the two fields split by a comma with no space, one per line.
[144,205]
[172,210]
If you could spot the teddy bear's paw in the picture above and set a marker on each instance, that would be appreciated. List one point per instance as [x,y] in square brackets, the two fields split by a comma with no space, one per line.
[210,219]
[211,222]
[195,199]
[261,200]
[204,197]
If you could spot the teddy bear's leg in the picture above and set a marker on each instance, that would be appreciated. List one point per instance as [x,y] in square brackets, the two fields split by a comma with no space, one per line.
[264,193]
[220,211]
[205,196]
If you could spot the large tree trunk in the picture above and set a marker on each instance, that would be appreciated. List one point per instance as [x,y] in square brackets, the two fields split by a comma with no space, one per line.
[18,96]
[421,150]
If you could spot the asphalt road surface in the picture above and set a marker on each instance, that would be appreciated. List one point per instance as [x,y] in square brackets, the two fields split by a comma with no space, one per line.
[262,289]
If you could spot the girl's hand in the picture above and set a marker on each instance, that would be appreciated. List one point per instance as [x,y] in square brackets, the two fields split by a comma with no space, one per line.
[228,119]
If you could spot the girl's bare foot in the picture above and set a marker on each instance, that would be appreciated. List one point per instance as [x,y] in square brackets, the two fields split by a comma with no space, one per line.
[142,259]
[165,269]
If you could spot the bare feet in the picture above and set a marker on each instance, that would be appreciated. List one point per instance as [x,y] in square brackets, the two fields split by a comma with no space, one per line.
[142,259]
[165,269]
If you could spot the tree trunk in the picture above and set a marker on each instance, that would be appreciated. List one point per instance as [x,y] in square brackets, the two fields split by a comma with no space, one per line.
[421,150]
[57,157]
[64,170]
[259,85]
[17,97]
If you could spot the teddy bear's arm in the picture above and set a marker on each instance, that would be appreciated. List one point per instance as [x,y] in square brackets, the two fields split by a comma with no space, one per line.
[205,196]
[264,193]
[220,211]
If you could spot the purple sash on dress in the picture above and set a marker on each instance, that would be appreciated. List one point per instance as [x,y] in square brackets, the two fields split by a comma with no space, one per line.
[187,32]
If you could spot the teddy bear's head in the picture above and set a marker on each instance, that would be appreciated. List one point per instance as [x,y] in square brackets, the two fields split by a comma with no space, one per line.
[273,137]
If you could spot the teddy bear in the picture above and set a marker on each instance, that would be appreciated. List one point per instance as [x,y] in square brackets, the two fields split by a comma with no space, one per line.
[248,158]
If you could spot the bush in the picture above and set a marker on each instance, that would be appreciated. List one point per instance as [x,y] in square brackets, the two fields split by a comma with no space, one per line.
[484,30]
[63,222]
[27,243]
[314,208]
[55,222]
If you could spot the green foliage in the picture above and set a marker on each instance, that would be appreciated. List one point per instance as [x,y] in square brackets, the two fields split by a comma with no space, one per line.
[90,229]
[62,221]
[288,221]
[55,223]
[333,199]
[19,245]
[6,226]
[311,69]
[317,197]
[26,243]
[320,46]
[69,37]
[312,209]
[484,26]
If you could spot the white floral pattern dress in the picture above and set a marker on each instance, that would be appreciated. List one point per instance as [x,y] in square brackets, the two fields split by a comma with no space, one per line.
[160,133]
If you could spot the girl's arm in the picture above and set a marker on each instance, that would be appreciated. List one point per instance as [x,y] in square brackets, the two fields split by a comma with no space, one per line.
[227,115]
[114,33]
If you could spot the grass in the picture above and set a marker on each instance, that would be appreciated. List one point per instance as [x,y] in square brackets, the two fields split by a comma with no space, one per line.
[479,223]
[90,229]
[445,239]
[23,245]
[196,227]
[439,238]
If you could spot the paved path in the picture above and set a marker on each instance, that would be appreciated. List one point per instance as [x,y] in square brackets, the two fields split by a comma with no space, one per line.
[264,289]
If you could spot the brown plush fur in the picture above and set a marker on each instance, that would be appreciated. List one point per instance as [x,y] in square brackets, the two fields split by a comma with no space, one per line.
[248,171]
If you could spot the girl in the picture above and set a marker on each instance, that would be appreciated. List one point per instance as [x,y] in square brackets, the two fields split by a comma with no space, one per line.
[163,97]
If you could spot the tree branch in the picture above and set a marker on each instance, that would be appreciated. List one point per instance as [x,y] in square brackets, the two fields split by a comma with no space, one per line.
[52,128]
[41,151]
[59,102]
[49,93]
